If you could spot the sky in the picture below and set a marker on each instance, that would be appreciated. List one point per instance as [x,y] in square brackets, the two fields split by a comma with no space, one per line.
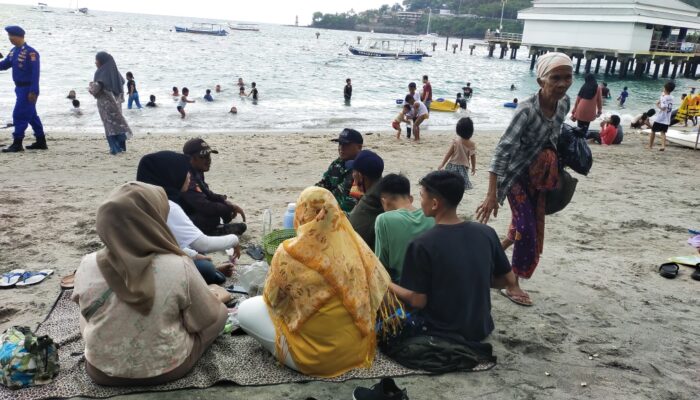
[270,11]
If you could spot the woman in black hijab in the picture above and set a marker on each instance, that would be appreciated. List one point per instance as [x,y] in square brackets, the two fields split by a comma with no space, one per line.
[108,88]
[589,103]
[167,169]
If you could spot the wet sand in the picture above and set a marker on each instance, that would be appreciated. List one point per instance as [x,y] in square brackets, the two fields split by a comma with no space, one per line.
[602,313]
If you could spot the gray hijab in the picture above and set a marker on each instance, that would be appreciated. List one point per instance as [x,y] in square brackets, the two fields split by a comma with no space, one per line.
[108,74]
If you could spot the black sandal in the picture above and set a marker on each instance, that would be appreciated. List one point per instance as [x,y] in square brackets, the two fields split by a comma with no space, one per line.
[696,273]
[669,270]
[255,252]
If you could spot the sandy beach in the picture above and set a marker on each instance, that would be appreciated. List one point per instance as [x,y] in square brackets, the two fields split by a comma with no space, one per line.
[604,325]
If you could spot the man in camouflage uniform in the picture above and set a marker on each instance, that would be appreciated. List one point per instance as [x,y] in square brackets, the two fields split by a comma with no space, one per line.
[338,178]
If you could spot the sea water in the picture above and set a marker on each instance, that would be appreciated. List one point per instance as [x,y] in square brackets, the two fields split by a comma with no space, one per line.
[300,78]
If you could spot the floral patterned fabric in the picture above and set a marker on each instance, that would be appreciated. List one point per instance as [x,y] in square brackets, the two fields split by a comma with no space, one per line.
[110,111]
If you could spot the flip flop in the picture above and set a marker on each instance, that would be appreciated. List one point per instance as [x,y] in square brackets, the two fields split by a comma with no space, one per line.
[668,270]
[515,299]
[32,278]
[68,281]
[11,278]
[255,252]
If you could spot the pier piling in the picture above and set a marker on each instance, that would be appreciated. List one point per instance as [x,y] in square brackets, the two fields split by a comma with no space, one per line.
[597,64]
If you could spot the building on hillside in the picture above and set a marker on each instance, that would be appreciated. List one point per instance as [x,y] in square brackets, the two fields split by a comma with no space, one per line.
[635,33]
[409,16]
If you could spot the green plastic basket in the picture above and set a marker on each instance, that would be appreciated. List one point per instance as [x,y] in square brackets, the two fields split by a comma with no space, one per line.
[272,241]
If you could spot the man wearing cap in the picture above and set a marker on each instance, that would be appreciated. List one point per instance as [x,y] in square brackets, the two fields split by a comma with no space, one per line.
[367,170]
[338,178]
[205,208]
[24,61]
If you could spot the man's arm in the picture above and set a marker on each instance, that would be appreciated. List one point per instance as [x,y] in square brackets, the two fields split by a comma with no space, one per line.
[204,206]
[413,299]
[6,63]
[34,60]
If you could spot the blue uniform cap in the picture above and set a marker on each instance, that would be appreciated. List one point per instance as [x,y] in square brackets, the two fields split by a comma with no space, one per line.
[15,30]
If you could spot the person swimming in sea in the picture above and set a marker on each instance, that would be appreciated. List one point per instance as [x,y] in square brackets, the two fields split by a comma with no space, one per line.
[512,104]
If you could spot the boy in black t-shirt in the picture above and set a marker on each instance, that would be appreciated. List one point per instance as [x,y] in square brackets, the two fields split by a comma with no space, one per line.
[449,270]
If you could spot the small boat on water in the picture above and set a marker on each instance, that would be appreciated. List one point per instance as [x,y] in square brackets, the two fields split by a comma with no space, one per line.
[41,7]
[203,29]
[405,49]
[244,27]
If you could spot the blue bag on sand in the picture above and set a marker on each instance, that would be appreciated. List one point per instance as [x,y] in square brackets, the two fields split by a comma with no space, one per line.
[26,359]
[573,149]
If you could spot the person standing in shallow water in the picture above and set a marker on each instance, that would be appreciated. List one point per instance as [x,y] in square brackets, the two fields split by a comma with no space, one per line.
[589,103]
[525,166]
[108,89]
[24,61]
[347,91]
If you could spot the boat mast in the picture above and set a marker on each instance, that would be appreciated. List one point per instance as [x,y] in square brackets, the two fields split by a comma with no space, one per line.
[430,12]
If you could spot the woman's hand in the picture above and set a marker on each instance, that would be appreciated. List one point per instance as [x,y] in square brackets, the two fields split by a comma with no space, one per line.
[488,206]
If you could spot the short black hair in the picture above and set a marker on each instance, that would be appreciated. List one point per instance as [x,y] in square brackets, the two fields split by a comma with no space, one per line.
[153,97]
[459,95]
[447,185]
[252,84]
[174,88]
[185,90]
[615,120]
[670,86]
[425,77]
[625,88]
[412,85]
[208,91]
[605,84]
[651,112]
[406,105]
[395,184]
[408,98]
[465,128]
[129,75]
[347,80]
[76,103]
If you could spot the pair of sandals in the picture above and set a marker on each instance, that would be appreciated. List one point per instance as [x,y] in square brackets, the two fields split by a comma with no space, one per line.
[22,278]
[670,270]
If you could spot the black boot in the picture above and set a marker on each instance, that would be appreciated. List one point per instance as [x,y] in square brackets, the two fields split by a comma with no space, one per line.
[15,147]
[40,144]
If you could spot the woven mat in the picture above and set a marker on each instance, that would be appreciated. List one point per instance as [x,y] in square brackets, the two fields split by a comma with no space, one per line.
[238,359]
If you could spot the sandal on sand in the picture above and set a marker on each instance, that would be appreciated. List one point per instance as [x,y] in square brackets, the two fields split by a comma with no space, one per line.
[668,270]
[520,300]
[68,281]
[255,252]
[32,278]
[11,278]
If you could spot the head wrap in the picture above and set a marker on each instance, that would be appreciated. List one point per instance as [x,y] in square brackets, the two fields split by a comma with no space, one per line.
[166,169]
[549,61]
[14,30]
[108,74]
[589,88]
[132,225]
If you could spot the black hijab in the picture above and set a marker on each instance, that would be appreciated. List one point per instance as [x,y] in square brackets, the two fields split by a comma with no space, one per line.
[166,169]
[108,74]
[589,88]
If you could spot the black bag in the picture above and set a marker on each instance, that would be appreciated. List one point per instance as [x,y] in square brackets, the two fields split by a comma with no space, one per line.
[573,149]
[558,198]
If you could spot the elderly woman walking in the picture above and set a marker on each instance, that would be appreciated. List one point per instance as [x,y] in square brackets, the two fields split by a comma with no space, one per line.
[108,88]
[589,103]
[525,166]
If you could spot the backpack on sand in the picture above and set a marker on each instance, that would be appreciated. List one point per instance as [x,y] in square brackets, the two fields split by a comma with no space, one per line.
[26,359]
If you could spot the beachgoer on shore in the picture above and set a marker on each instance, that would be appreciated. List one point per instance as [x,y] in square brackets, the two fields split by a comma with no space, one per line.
[462,152]
[171,171]
[143,286]
[589,103]
[107,87]
[623,97]
[132,92]
[304,317]
[402,117]
[419,112]
[400,223]
[338,178]
[663,118]
[212,213]
[610,132]
[152,101]
[367,170]
[523,170]
[643,120]
[24,61]
[183,102]
[347,91]
[426,95]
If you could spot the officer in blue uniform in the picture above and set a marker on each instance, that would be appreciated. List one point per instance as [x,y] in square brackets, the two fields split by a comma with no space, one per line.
[24,62]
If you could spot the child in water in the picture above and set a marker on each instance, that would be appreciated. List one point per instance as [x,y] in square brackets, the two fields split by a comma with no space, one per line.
[175,94]
[623,97]
[241,87]
[461,102]
[402,116]
[462,152]
[183,102]
[76,108]
[207,96]
[152,102]
[254,93]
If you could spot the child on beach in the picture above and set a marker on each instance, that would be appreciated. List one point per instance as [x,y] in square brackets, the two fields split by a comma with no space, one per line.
[462,152]
[663,119]
[76,108]
[207,96]
[254,93]
[402,116]
[183,102]
[623,97]
[152,102]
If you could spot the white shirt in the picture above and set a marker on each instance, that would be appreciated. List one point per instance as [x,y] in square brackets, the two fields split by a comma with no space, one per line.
[422,109]
[666,104]
[181,226]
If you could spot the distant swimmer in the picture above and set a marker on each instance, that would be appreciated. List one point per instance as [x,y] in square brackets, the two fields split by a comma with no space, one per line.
[218,89]
[513,104]
[460,102]
[175,94]
[605,92]
[241,87]
[71,95]
[233,110]
[468,91]
[347,91]
[183,102]
[152,102]
[512,87]
[76,108]
[254,93]
[207,96]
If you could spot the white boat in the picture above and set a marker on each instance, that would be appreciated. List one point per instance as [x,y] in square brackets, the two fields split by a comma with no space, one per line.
[429,37]
[202,28]
[41,7]
[405,49]
[244,27]
[683,138]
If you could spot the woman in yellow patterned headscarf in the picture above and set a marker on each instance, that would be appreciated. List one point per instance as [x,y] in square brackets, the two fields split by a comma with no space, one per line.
[323,293]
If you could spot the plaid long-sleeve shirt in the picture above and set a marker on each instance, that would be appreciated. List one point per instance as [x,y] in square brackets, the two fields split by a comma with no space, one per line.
[528,134]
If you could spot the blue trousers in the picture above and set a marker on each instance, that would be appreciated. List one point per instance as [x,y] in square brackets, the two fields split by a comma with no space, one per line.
[117,143]
[134,98]
[25,114]
[209,272]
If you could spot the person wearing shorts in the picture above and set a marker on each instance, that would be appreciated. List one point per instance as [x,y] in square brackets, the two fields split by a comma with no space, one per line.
[420,113]
[663,118]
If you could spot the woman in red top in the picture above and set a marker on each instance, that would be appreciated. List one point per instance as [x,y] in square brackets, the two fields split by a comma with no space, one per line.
[589,103]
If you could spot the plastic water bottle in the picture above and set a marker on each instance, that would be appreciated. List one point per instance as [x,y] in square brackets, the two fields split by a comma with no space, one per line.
[289,216]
